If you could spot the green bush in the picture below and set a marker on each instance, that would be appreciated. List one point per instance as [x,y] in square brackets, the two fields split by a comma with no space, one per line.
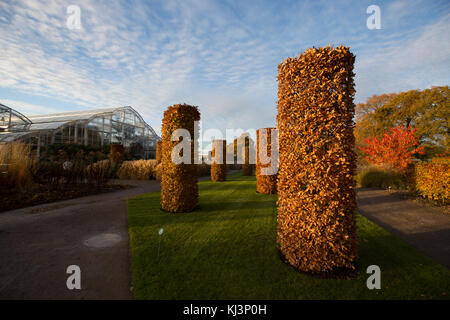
[378,178]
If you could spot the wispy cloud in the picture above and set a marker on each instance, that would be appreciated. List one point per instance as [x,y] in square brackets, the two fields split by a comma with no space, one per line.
[222,56]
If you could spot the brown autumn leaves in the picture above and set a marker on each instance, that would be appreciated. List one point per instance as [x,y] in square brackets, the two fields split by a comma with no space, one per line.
[316,190]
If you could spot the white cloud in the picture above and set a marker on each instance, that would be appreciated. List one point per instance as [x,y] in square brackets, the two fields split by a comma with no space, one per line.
[29,109]
[411,63]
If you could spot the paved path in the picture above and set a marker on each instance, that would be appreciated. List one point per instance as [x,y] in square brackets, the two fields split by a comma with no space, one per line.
[37,244]
[426,228]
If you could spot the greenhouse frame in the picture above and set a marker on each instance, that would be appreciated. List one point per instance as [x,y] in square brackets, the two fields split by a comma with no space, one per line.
[96,127]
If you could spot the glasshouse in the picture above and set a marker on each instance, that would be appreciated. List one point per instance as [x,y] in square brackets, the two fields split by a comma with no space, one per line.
[97,127]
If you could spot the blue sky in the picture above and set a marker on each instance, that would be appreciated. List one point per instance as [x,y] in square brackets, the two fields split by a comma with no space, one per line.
[219,55]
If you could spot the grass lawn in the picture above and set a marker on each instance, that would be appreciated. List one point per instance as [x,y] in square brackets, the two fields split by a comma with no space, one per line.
[227,250]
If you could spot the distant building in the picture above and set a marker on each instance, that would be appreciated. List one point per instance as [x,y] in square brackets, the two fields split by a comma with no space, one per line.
[121,125]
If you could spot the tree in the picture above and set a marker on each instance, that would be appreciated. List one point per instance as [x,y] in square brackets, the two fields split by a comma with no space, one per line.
[394,150]
[428,111]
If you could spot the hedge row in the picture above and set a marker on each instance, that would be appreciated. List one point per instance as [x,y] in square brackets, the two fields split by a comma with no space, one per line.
[219,162]
[264,183]
[317,162]
[179,190]
[432,179]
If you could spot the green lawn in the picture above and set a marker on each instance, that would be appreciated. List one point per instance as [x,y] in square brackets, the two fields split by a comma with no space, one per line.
[227,250]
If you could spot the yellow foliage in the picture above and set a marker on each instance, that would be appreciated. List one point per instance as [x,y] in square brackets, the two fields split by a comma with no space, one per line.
[15,165]
[138,170]
[432,179]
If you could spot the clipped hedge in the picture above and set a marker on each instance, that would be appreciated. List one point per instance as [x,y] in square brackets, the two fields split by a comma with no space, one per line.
[247,168]
[219,166]
[116,153]
[264,183]
[432,179]
[158,151]
[317,161]
[373,177]
[179,190]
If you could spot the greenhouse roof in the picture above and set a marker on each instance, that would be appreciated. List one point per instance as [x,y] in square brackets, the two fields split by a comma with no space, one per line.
[74,116]
[54,121]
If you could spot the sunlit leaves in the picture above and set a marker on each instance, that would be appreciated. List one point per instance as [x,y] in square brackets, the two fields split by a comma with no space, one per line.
[179,190]
[394,150]
[316,196]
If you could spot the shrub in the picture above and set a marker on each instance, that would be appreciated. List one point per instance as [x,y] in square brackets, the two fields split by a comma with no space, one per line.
[98,172]
[373,177]
[72,174]
[394,151]
[59,172]
[15,165]
[433,179]
[317,160]
[62,152]
[179,189]
[219,166]
[264,183]
[138,170]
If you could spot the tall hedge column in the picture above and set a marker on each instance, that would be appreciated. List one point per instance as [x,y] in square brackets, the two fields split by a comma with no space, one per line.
[179,190]
[247,168]
[264,183]
[219,163]
[316,190]
[158,151]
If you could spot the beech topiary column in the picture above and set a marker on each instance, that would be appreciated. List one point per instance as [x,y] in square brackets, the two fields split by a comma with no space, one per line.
[179,190]
[265,183]
[219,162]
[247,168]
[158,151]
[116,153]
[316,189]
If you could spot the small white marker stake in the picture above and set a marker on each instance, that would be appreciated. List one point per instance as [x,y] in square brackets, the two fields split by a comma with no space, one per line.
[160,232]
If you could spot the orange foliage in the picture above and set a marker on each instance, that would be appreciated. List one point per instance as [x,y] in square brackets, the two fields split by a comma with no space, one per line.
[219,170]
[317,162]
[179,189]
[394,150]
[264,183]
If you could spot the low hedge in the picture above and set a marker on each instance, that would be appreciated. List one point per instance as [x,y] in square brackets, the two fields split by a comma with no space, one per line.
[378,178]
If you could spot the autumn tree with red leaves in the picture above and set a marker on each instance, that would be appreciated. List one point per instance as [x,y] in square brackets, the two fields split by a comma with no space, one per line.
[394,150]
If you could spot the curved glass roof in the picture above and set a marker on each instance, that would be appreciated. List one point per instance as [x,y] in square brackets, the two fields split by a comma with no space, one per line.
[49,122]
[12,120]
